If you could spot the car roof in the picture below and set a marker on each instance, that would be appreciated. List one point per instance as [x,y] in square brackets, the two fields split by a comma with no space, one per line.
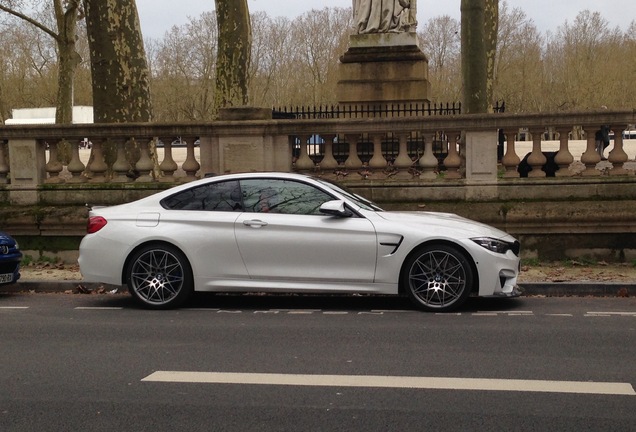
[225,177]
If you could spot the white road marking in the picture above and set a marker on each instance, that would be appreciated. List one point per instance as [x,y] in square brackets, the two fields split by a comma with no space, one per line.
[14,307]
[509,313]
[605,314]
[410,382]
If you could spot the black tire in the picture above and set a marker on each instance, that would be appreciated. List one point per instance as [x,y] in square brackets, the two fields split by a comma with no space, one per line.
[159,277]
[437,278]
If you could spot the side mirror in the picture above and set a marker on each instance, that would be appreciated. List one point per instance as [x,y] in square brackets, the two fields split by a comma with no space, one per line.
[335,208]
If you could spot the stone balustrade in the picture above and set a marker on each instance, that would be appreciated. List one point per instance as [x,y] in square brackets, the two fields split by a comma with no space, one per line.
[458,149]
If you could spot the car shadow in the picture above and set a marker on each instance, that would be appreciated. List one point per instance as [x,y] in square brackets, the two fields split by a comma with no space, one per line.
[308,302]
[338,302]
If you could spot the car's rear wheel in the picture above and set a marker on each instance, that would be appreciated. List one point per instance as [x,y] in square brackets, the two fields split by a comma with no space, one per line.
[437,277]
[159,277]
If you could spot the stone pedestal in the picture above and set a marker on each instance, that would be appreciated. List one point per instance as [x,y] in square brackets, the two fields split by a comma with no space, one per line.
[27,162]
[383,69]
[481,164]
[242,146]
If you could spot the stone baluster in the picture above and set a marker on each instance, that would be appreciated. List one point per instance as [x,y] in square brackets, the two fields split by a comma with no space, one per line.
[353,162]
[536,159]
[97,164]
[54,167]
[378,163]
[144,165]
[121,167]
[428,162]
[76,167]
[590,158]
[168,166]
[563,157]
[191,166]
[617,156]
[304,162]
[510,160]
[403,161]
[4,166]
[328,164]
[452,161]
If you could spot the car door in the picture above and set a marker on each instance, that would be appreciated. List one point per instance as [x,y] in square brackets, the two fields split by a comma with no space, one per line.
[202,218]
[283,236]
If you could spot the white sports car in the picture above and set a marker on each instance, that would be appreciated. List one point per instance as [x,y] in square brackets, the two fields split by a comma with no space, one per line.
[281,232]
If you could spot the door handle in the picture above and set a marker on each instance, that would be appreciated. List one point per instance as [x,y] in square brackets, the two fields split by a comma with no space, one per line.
[254,223]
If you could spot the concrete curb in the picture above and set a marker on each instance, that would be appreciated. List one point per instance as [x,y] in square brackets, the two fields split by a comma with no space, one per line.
[556,289]
[56,286]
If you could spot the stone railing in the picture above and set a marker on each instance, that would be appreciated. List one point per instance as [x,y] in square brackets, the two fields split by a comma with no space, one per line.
[459,150]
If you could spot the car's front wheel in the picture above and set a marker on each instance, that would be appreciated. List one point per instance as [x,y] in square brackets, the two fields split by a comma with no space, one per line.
[159,277]
[437,277]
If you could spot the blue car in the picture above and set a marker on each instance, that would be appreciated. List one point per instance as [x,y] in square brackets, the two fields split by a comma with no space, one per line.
[10,257]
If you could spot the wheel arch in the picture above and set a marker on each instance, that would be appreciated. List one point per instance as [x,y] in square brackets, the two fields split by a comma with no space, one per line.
[441,242]
[140,246]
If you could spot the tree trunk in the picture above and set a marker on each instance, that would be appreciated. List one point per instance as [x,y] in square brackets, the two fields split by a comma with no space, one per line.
[234,49]
[490,35]
[474,63]
[68,59]
[120,74]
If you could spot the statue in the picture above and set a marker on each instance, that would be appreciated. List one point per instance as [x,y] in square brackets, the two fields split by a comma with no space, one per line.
[384,16]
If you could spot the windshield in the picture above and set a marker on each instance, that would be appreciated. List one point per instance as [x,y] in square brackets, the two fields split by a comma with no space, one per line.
[355,198]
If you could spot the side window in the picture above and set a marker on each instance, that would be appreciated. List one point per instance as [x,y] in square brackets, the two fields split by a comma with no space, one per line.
[282,196]
[224,196]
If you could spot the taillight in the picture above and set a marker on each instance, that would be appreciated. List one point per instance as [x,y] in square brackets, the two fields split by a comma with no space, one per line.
[95,223]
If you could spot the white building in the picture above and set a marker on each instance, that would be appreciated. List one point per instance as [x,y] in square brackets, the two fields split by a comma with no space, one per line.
[81,115]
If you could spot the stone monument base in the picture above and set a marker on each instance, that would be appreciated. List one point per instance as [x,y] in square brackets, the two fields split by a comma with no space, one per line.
[383,69]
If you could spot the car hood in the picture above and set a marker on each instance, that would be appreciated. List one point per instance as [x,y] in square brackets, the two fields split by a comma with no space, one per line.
[6,239]
[440,222]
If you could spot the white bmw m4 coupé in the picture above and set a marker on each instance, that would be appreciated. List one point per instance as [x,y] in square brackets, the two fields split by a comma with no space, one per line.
[281,232]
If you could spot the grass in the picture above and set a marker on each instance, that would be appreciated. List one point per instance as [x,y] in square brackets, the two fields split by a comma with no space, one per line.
[43,259]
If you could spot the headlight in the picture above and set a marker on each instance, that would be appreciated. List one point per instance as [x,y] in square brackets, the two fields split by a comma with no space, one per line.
[493,244]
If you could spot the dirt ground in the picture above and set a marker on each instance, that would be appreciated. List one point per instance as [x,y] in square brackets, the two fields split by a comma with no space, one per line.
[571,271]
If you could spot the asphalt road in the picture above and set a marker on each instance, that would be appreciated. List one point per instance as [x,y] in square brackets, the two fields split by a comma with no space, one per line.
[237,363]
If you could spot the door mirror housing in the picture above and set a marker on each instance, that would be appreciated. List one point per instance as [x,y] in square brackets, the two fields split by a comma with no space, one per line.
[336,208]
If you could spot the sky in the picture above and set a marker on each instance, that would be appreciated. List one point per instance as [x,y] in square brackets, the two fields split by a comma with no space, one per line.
[158,16]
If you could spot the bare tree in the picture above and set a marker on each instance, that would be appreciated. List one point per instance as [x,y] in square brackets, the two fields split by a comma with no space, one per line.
[584,64]
[183,67]
[265,61]
[581,64]
[67,14]
[441,44]
[519,70]
[320,37]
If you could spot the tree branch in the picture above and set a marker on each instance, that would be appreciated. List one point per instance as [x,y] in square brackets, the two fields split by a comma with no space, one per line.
[31,21]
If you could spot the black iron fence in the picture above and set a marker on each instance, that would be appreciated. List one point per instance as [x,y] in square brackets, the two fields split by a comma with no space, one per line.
[366,111]
[390,147]
[374,111]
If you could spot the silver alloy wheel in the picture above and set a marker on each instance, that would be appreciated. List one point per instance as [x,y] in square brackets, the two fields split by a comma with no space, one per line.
[157,277]
[438,278]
